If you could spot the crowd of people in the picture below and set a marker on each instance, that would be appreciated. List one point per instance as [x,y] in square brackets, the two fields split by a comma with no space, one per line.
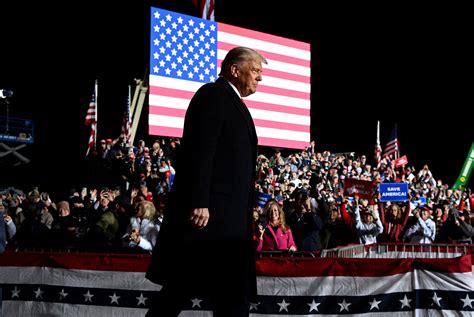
[304,209]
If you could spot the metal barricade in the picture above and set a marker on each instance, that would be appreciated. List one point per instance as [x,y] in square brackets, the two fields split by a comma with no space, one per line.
[291,254]
[399,250]
[350,251]
[410,250]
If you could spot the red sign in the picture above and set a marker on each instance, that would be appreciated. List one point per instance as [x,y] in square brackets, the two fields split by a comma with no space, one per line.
[401,161]
[363,189]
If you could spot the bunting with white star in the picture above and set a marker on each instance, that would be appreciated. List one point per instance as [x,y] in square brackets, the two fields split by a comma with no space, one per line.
[49,284]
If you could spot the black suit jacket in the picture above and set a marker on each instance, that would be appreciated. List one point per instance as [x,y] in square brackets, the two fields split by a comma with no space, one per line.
[215,169]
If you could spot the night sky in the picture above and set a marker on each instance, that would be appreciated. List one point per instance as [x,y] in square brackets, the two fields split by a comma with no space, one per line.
[405,65]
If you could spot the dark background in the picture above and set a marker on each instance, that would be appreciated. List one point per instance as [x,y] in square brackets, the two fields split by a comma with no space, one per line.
[406,65]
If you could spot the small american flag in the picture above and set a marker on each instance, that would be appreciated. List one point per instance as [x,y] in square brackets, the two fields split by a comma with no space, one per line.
[393,147]
[206,8]
[91,119]
[185,54]
[91,116]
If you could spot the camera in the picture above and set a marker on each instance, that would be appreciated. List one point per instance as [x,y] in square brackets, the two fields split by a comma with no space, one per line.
[44,196]
[5,93]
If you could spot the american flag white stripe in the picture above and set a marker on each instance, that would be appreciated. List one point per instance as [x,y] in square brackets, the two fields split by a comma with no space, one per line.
[366,285]
[37,308]
[24,308]
[90,116]
[281,106]
[77,278]
[282,134]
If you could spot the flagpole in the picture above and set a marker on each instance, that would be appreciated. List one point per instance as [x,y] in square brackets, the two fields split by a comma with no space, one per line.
[141,88]
[378,133]
[96,89]
[378,149]
[397,153]
[129,114]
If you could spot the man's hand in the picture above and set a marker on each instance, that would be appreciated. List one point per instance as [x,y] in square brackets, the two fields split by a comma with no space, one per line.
[199,217]
[135,235]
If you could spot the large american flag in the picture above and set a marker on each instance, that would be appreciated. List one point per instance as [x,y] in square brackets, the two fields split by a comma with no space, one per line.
[88,284]
[186,52]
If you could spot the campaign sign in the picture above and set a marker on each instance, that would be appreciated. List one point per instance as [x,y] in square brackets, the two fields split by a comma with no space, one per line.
[419,202]
[401,161]
[263,198]
[393,191]
[358,187]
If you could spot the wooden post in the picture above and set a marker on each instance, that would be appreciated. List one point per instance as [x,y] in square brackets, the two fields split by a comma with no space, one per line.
[137,106]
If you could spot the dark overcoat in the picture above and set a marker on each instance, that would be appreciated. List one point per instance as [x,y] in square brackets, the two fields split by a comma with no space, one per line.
[215,169]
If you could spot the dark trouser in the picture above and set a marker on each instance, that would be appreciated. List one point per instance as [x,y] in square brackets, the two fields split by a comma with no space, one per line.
[166,303]
[170,301]
[231,309]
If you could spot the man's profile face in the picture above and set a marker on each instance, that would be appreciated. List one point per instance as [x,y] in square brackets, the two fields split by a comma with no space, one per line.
[249,75]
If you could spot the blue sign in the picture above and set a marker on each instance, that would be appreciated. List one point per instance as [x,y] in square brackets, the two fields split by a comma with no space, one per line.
[263,198]
[419,202]
[393,191]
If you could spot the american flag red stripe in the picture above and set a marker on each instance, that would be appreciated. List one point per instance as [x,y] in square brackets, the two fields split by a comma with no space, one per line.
[281,106]
[90,116]
[91,111]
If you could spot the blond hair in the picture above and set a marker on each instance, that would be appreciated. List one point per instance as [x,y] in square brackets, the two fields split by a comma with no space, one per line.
[148,208]
[281,214]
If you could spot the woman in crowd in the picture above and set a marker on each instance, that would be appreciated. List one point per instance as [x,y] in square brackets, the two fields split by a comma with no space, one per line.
[394,221]
[277,234]
[368,226]
[144,227]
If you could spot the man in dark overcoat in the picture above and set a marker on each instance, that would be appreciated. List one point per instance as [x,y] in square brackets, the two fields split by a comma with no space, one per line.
[205,250]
